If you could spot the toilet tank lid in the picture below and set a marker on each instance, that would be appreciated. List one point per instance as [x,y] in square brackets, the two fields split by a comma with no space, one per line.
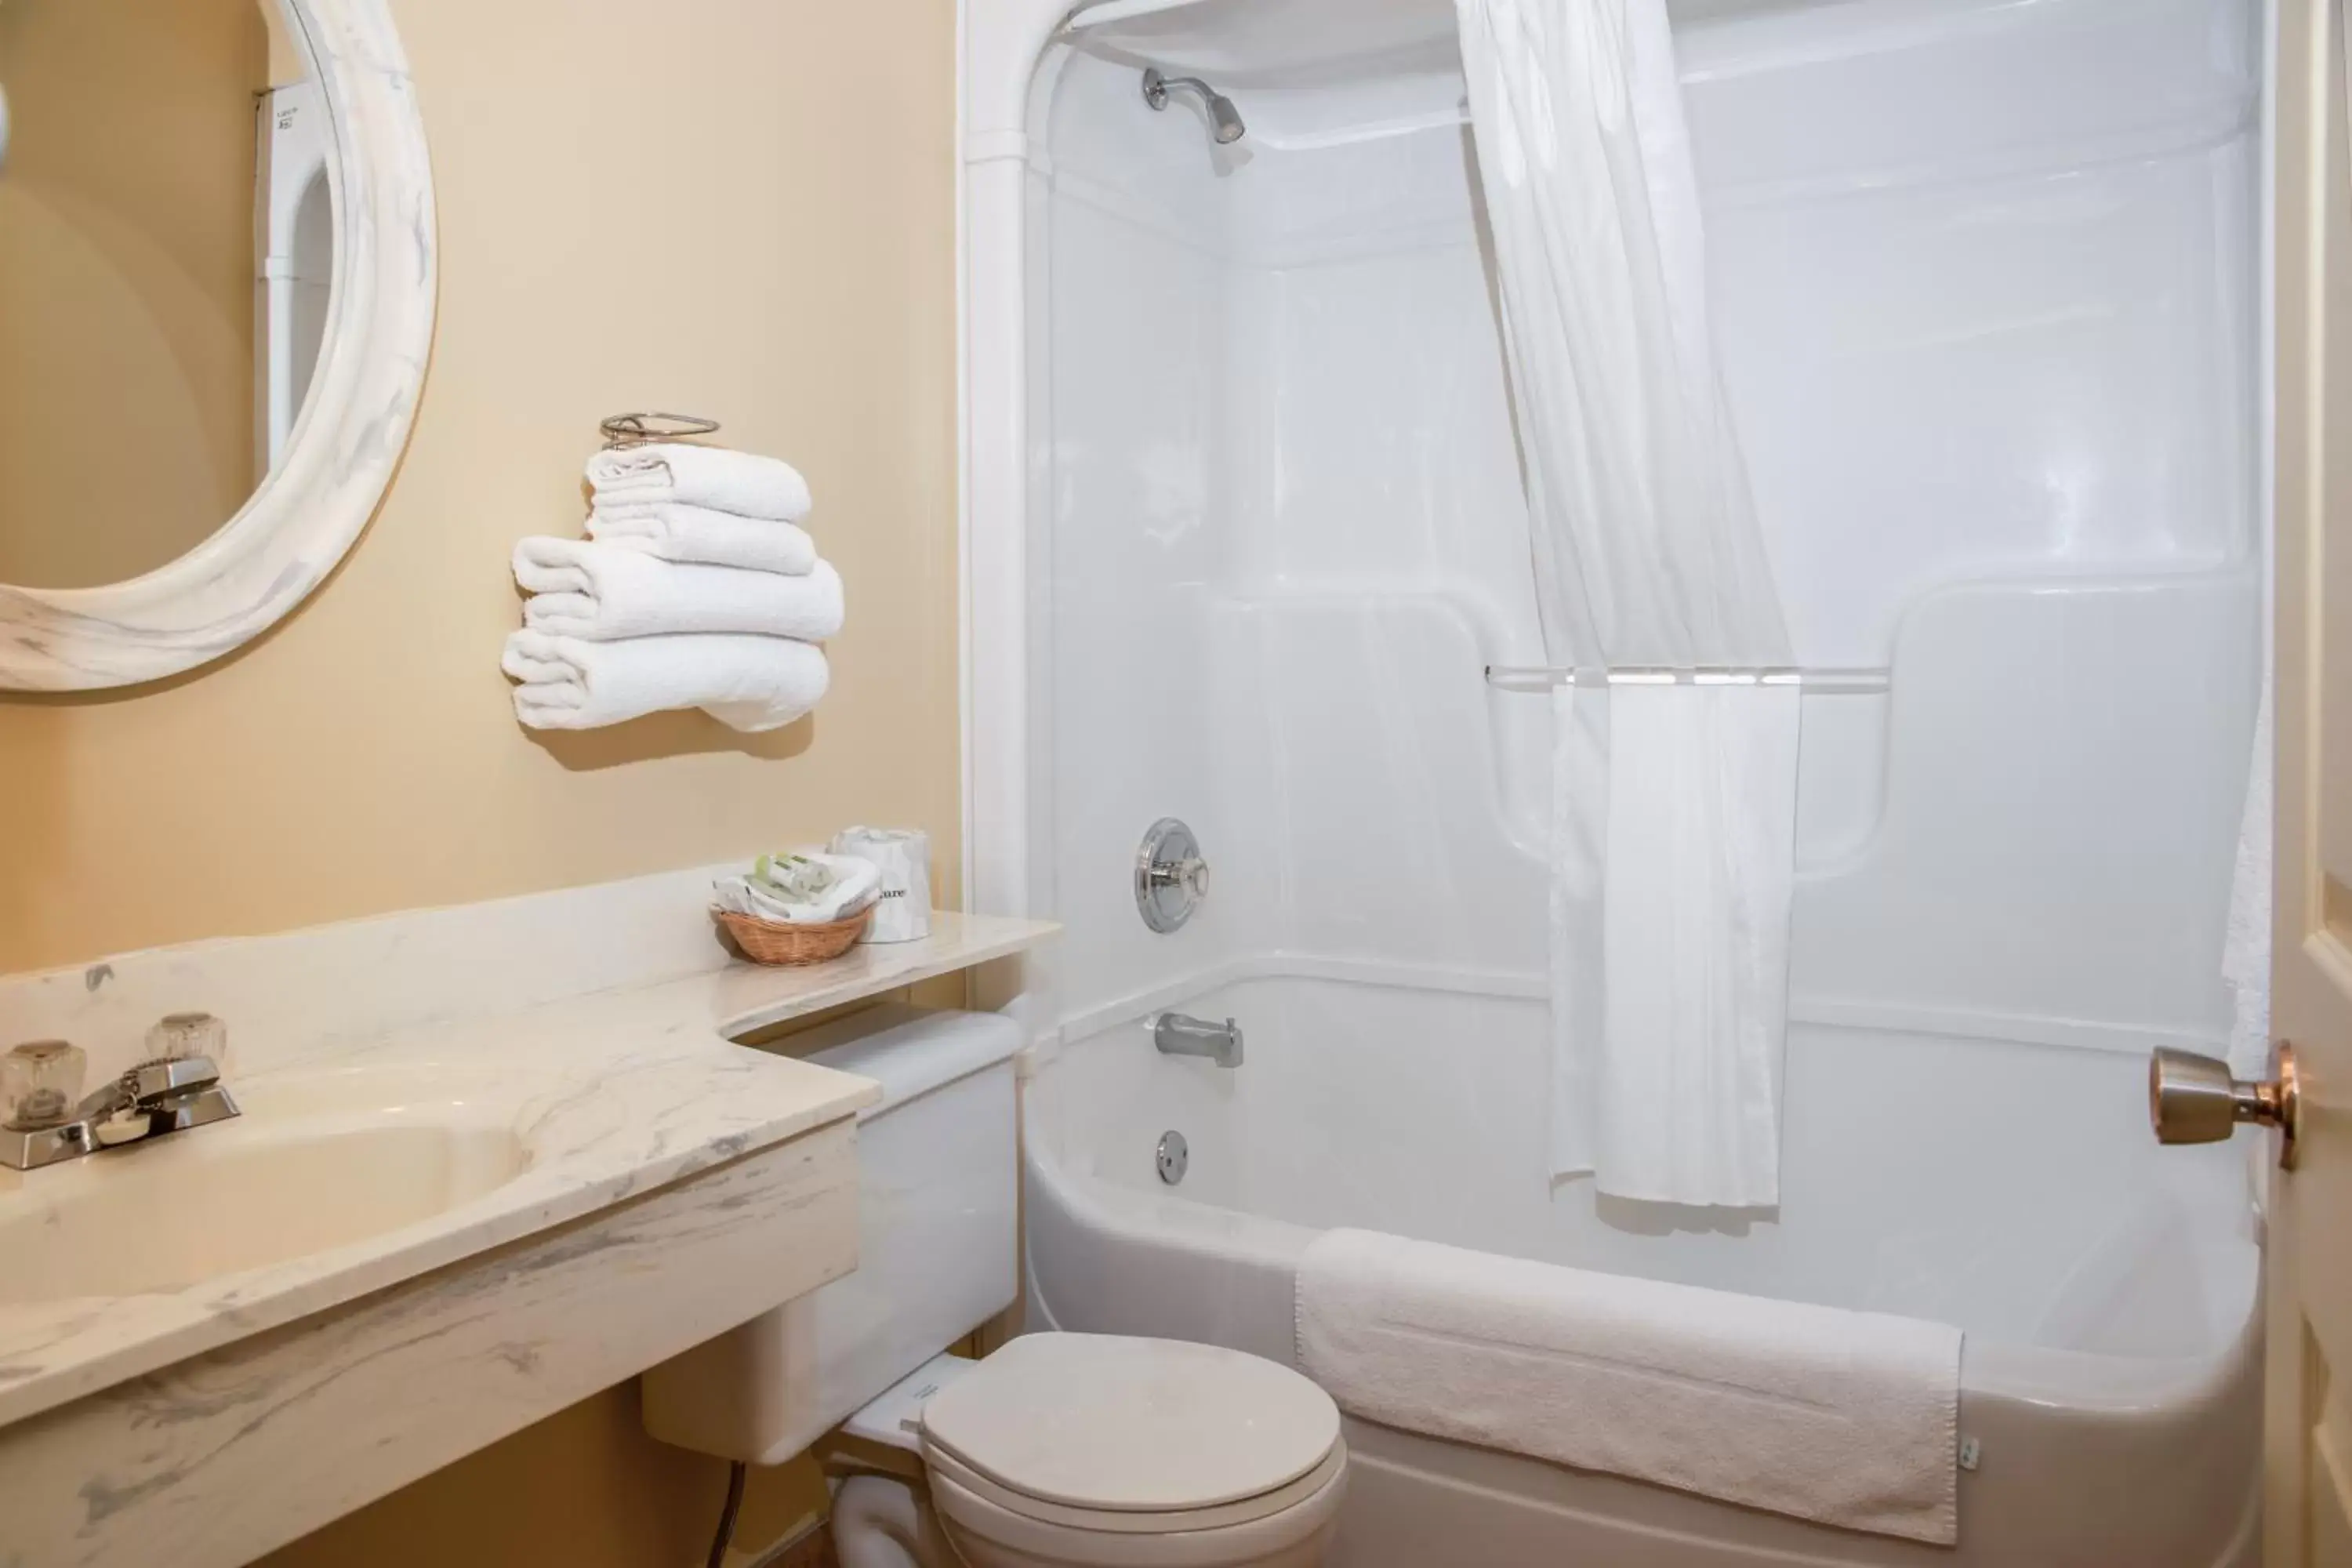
[1098,1421]
[910,1051]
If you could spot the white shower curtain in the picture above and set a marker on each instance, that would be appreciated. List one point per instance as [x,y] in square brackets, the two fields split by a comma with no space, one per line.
[1674,804]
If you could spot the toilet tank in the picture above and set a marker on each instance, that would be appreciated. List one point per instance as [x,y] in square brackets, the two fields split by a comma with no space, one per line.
[937,1244]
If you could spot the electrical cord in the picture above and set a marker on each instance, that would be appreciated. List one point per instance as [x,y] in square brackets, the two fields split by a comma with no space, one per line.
[718,1542]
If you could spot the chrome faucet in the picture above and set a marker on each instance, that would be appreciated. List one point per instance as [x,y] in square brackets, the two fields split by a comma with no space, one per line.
[44,1118]
[1177,1036]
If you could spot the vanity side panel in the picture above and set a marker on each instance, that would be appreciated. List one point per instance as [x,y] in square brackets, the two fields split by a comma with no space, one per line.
[214,1462]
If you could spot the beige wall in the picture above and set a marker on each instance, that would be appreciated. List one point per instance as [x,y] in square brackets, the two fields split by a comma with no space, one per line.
[288,58]
[126,282]
[745,210]
[737,208]
[584,1489]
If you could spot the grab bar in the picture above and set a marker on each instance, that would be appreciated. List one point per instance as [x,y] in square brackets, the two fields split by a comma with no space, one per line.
[1851,681]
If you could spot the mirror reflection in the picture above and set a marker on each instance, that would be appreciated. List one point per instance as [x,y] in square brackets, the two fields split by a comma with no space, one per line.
[166,256]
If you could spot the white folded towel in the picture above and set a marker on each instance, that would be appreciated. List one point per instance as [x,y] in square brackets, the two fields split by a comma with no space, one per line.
[1849,1418]
[676,532]
[751,683]
[739,482]
[584,589]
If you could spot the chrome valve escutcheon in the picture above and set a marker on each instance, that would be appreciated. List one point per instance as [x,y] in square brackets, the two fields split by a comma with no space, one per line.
[1170,876]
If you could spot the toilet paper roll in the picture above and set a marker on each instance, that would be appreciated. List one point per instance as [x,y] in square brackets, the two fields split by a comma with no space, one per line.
[903,856]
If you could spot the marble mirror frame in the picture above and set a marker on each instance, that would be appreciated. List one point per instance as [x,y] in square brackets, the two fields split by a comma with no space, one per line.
[308,511]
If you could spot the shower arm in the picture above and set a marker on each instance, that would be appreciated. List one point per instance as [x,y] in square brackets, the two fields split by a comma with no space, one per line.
[1157,86]
[1225,119]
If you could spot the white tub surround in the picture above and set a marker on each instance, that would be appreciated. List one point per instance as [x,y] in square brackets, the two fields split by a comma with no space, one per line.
[1248,524]
[492,1159]
[2002,442]
[1673,817]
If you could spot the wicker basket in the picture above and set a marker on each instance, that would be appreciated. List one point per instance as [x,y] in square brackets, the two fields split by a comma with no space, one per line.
[778,942]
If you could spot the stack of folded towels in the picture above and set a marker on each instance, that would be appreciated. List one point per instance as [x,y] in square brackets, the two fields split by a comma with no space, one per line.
[696,587]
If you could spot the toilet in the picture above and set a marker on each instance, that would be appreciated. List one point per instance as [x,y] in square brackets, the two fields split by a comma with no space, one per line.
[1095,1450]
[1074,1450]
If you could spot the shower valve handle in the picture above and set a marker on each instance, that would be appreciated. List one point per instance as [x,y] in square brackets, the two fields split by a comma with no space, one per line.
[1190,875]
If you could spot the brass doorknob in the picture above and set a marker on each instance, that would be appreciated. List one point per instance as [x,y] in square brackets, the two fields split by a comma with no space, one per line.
[2193,1099]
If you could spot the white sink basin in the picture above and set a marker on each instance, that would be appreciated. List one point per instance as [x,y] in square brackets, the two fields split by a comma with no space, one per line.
[237,1195]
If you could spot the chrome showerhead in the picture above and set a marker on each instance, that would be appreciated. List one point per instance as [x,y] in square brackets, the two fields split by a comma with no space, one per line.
[1225,119]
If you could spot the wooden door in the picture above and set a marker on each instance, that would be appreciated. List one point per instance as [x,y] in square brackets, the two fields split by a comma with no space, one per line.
[2308,1438]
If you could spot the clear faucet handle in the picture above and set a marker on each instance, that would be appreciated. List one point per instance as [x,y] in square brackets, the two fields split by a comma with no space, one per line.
[1193,876]
[40,1083]
[179,1035]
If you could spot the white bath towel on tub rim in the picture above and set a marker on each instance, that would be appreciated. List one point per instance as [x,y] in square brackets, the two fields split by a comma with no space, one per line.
[1847,1418]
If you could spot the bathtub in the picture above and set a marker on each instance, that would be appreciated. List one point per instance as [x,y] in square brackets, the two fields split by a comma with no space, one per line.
[2107,1290]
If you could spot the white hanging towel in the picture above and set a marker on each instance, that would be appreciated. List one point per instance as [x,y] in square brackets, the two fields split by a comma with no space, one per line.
[741,482]
[1673,814]
[676,532]
[1694,928]
[602,592]
[1849,1418]
[750,683]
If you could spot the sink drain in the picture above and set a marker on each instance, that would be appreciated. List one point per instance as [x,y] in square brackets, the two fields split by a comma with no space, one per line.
[1172,1156]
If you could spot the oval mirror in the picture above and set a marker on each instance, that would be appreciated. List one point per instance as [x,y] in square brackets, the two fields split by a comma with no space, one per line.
[217,281]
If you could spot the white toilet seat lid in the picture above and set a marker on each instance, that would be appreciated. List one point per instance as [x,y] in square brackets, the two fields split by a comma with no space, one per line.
[1095,1421]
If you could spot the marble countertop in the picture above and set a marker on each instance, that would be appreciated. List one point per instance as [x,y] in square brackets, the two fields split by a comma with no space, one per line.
[605,1095]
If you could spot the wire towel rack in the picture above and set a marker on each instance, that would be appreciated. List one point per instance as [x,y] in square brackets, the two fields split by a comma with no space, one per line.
[621,431]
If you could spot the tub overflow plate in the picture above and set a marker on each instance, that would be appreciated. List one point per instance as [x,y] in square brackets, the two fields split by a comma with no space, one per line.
[1172,1157]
